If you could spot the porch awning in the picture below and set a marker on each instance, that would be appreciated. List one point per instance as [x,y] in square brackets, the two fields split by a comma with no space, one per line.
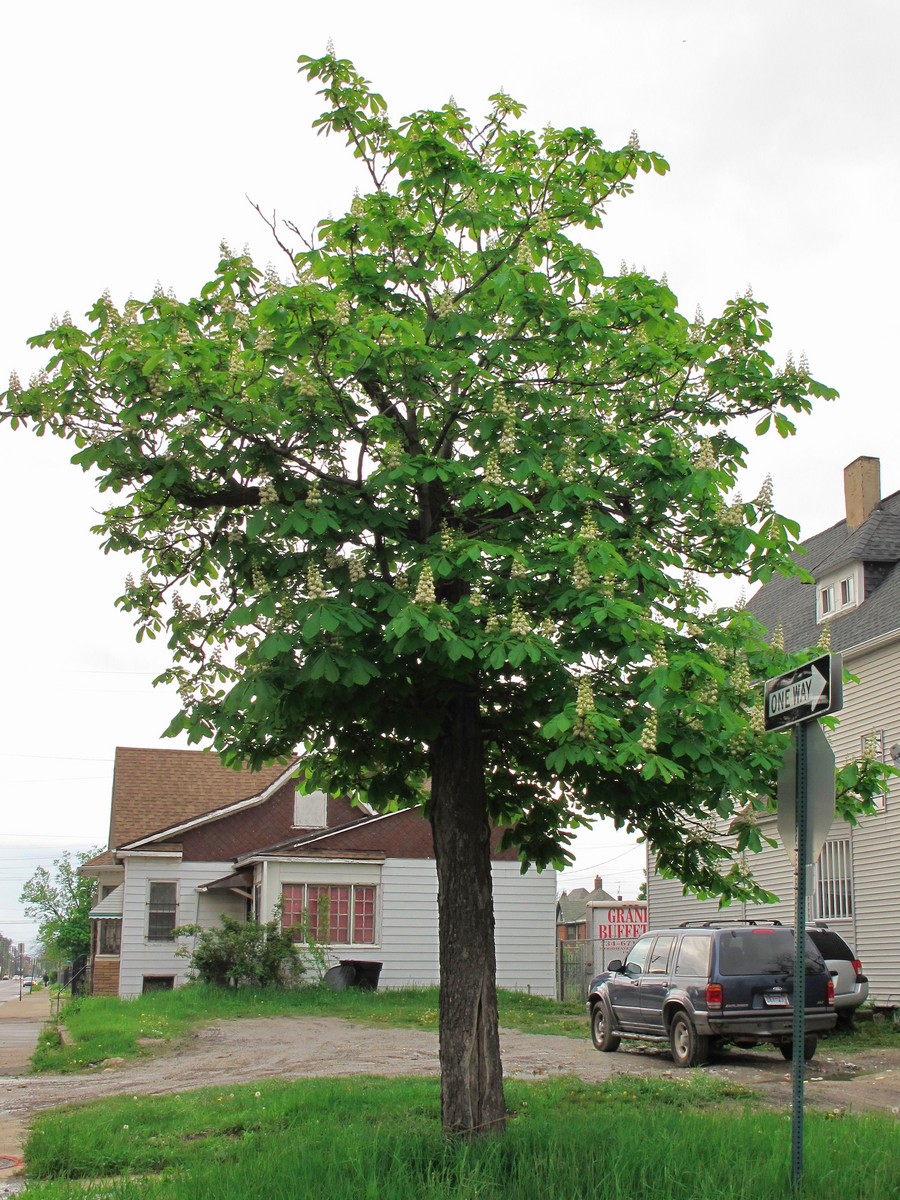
[237,881]
[111,905]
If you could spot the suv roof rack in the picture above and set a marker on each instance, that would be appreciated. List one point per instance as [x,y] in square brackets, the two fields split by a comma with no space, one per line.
[717,922]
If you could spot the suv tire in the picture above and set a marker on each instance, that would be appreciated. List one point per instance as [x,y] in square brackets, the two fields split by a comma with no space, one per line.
[601,1029]
[809,1048]
[689,1048]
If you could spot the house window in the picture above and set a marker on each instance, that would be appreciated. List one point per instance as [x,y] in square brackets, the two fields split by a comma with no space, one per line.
[109,936]
[161,905]
[158,983]
[833,895]
[340,914]
[836,595]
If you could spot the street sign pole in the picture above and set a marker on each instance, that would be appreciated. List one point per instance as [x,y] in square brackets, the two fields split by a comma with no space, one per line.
[796,699]
[799,960]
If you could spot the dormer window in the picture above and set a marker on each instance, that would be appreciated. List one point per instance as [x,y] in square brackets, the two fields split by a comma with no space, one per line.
[837,594]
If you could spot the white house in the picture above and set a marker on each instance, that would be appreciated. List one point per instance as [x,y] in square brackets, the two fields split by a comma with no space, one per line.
[191,840]
[855,567]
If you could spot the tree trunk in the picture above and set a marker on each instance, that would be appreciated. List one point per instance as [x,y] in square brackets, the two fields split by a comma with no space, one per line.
[471,1073]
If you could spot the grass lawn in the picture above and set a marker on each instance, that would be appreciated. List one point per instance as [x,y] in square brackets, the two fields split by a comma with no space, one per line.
[105,1027]
[353,1139]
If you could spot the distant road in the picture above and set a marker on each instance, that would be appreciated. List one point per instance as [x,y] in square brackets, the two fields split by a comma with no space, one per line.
[9,990]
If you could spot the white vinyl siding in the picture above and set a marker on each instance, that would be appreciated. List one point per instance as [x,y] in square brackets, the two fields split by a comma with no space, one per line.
[407,919]
[868,916]
[140,956]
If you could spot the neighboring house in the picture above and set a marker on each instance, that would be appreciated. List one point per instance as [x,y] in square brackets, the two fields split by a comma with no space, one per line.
[855,566]
[191,840]
[572,911]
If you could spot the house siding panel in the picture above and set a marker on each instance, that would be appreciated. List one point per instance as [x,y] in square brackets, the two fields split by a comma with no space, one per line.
[140,957]
[874,928]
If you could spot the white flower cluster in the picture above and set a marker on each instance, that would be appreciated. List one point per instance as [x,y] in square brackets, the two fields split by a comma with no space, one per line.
[492,469]
[259,580]
[492,624]
[313,496]
[634,143]
[444,304]
[803,365]
[581,576]
[758,719]
[740,676]
[446,536]
[825,637]
[357,207]
[234,362]
[569,472]
[356,570]
[870,747]
[425,594]
[264,341]
[271,280]
[385,338]
[778,637]
[401,581]
[588,531]
[517,570]
[332,559]
[393,455]
[308,387]
[764,499]
[241,322]
[15,384]
[523,257]
[518,622]
[733,514]
[705,460]
[548,628]
[649,734]
[542,224]
[268,493]
[315,588]
[342,311]
[158,385]
[235,535]
[183,338]
[584,702]
[661,656]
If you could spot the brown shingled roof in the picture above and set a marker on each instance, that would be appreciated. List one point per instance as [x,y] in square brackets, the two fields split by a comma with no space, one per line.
[154,789]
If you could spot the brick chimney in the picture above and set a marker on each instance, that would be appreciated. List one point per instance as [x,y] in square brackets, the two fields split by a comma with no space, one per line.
[598,882]
[862,489]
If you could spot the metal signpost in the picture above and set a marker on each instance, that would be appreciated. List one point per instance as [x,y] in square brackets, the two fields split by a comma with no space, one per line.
[798,698]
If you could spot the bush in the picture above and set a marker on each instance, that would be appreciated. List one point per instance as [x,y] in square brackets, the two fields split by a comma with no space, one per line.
[244,954]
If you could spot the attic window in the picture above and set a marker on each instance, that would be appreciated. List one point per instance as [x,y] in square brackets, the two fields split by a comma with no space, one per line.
[310,811]
[836,595]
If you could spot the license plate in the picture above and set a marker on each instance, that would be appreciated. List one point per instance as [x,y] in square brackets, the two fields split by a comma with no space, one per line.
[777,999]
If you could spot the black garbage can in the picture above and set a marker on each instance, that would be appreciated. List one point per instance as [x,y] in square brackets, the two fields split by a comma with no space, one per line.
[367,973]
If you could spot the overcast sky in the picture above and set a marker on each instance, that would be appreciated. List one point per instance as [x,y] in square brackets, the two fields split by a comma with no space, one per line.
[132,135]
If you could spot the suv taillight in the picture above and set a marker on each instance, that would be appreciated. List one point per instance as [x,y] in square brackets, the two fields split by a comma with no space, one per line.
[857,966]
[830,987]
[715,997]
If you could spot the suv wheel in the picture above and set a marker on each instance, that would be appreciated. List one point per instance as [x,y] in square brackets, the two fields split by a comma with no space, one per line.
[689,1048]
[809,1047]
[601,1029]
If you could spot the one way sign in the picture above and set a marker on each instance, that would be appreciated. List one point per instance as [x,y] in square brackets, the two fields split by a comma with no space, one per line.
[812,690]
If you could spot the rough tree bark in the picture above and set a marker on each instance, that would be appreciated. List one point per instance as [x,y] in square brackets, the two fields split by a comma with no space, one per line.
[472,1099]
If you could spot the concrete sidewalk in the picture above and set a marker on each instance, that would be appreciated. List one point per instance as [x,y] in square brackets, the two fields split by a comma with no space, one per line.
[21,1022]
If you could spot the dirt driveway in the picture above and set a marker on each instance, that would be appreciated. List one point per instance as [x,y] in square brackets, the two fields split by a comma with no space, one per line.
[294,1047]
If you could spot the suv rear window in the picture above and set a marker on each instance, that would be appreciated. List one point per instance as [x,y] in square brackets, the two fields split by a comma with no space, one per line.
[831,945]
[763,952]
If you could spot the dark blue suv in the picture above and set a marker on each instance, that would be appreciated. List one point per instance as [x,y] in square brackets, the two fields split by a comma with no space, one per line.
[709,983]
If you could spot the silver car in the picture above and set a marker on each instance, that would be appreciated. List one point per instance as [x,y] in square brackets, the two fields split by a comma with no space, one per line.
[851,987]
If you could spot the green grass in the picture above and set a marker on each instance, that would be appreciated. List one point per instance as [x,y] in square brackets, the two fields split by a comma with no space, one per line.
[100,1027]
[104,1027]
[353,1139]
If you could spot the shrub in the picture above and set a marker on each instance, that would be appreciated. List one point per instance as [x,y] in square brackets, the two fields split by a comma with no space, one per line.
[244,954]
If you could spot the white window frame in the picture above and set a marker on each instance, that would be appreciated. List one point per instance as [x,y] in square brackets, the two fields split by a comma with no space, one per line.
[832,898]
[838,593]
[160,941]
[376,922]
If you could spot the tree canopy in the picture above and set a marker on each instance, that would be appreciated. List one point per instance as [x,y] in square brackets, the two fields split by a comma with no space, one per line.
[443,503]
[61,901]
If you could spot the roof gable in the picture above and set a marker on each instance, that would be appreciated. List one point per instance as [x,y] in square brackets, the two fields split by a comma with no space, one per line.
[158,790]
[792,603]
